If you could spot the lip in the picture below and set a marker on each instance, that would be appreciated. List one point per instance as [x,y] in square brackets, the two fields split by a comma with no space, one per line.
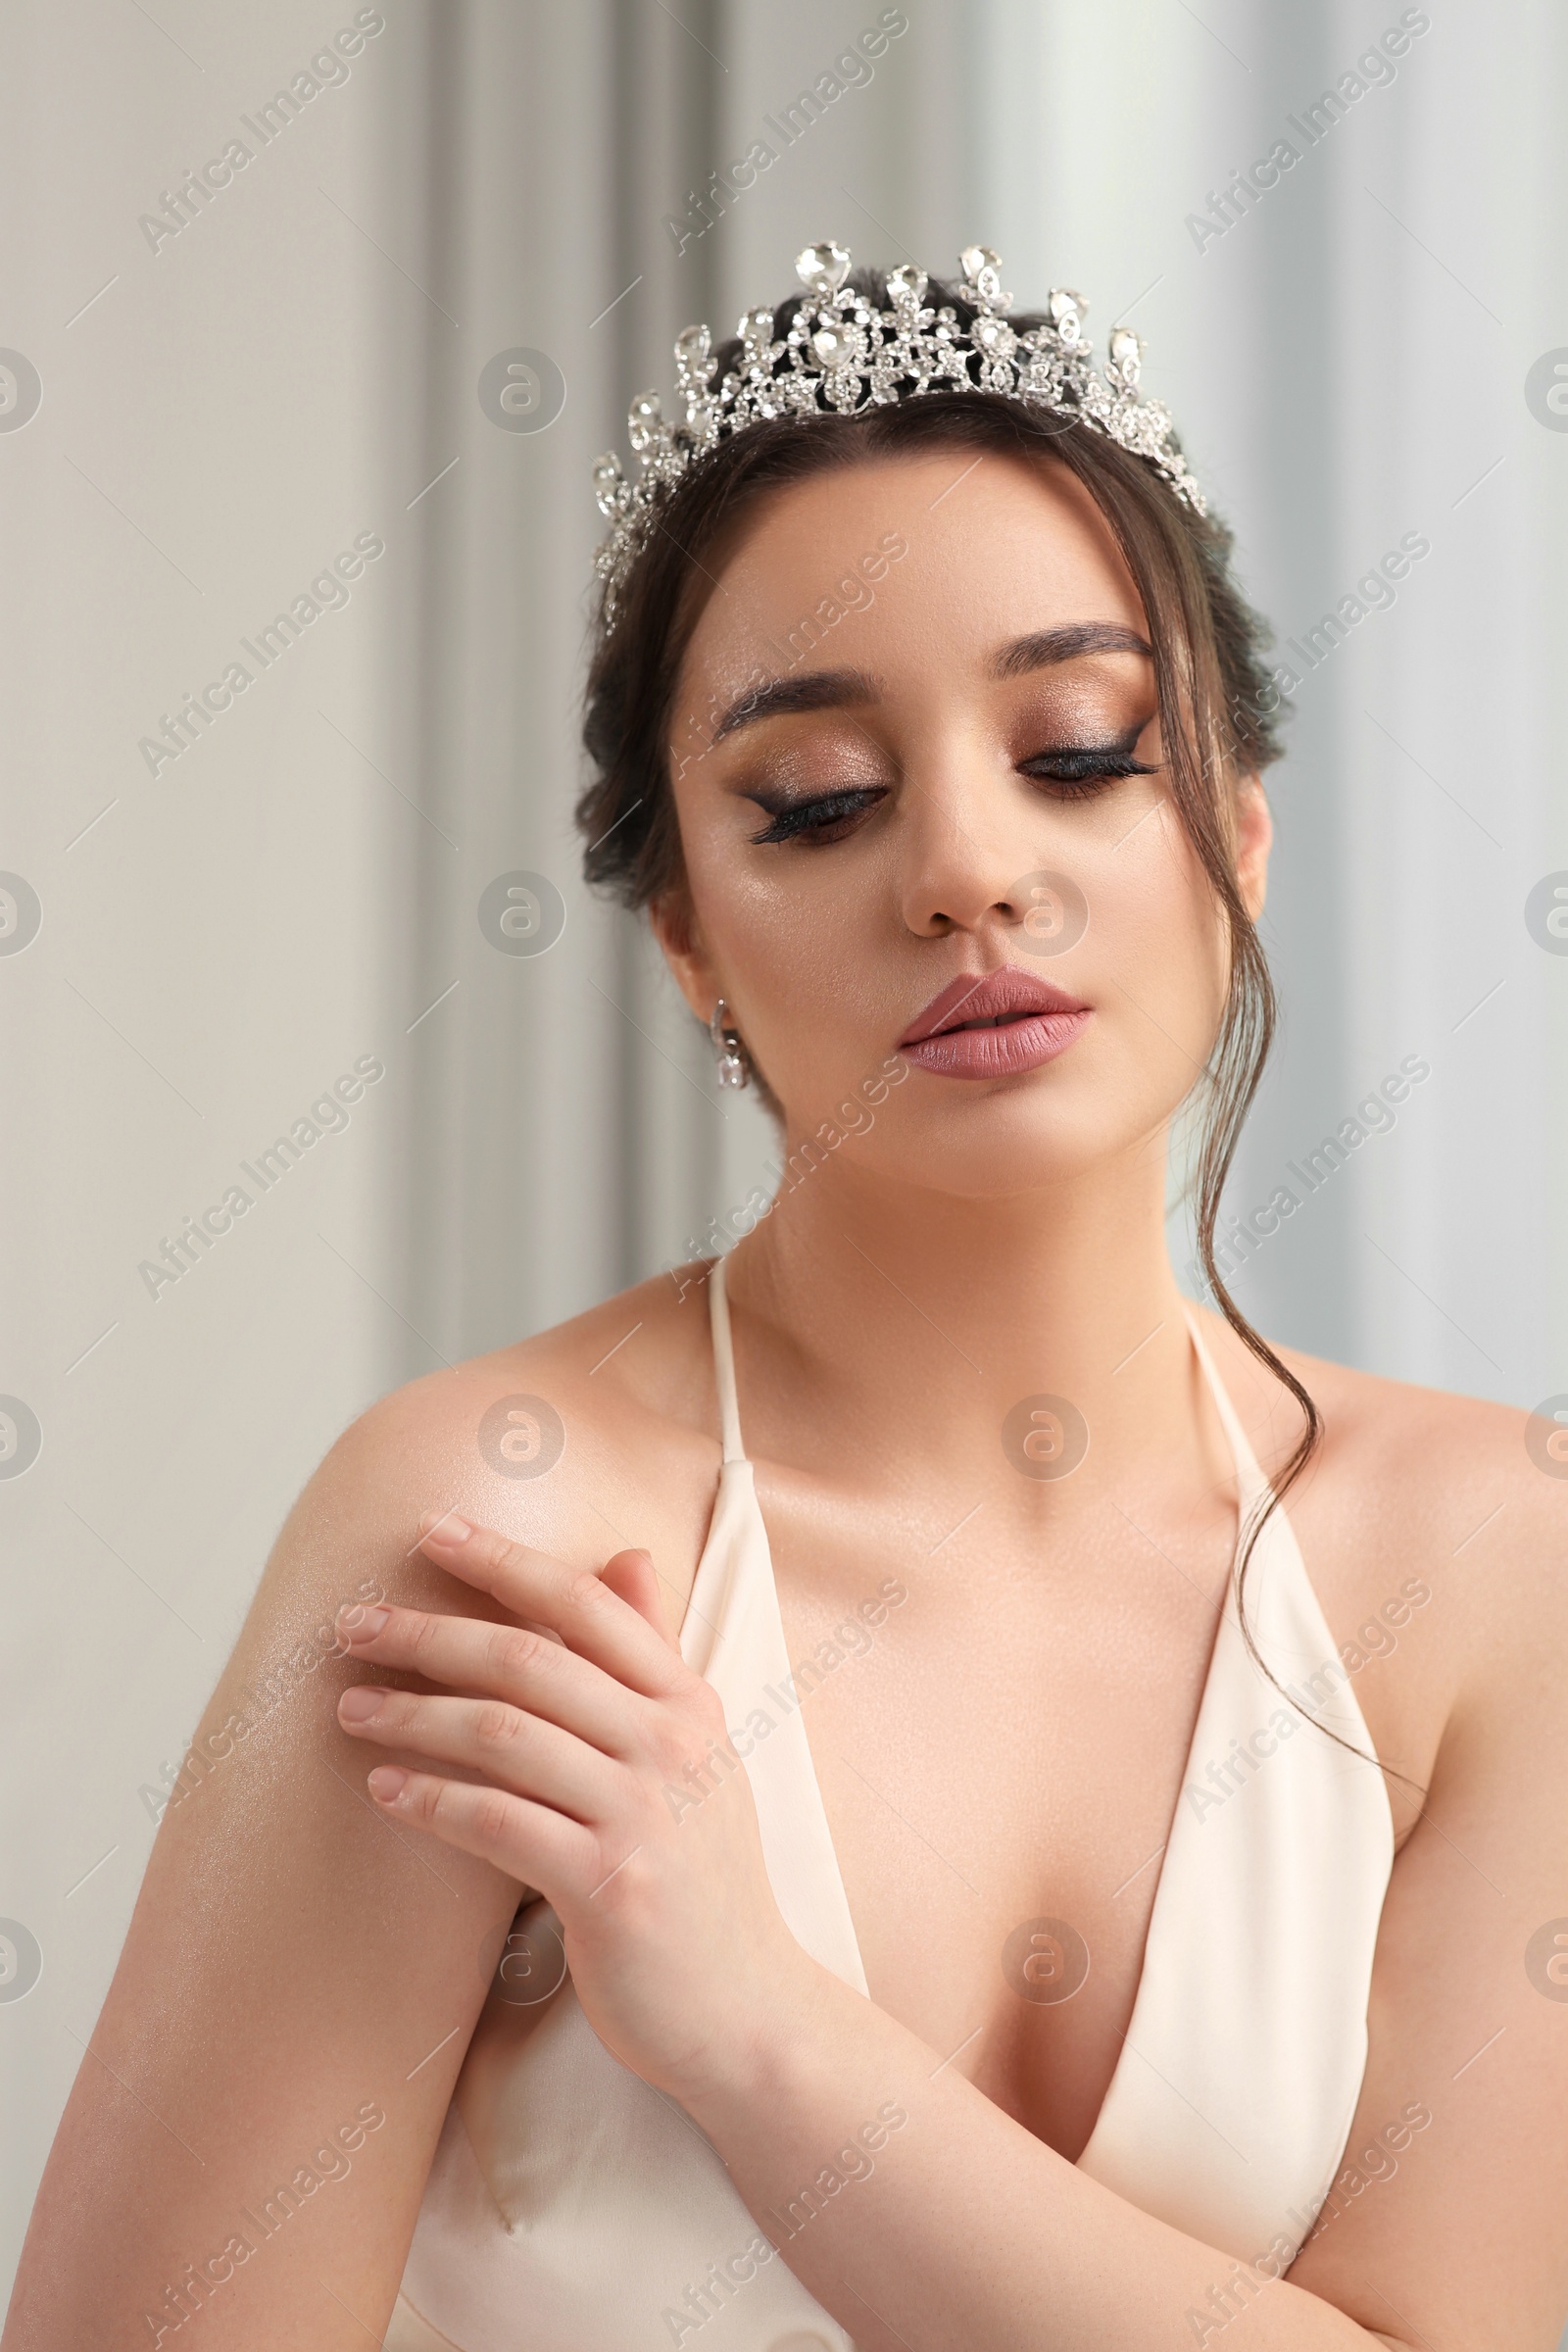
[1025,1022]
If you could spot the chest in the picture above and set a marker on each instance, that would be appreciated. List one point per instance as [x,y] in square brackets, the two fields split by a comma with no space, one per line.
[1000,1734]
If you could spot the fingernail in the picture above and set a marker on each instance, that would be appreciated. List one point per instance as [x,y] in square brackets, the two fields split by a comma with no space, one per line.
[444,1527]
[386,1783]
[362,1624]
[359,1704]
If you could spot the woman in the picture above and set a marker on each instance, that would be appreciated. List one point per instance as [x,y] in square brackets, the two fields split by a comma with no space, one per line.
[802,1840]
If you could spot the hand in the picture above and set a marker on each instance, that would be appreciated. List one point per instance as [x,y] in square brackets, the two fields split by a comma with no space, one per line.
[608,1781]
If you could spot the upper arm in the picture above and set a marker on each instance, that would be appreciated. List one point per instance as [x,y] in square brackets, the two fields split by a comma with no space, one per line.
[295,1967]
[1446,2221]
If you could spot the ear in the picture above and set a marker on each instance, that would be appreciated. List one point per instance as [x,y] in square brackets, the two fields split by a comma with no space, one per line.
[1254,834]
[673,924]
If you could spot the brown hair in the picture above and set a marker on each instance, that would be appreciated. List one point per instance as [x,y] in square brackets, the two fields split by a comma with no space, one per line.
[1215,698]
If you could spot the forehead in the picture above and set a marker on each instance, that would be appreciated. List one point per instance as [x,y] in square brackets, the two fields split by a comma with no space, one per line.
[937,556]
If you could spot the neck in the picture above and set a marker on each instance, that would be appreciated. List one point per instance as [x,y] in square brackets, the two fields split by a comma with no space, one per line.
[920,1320]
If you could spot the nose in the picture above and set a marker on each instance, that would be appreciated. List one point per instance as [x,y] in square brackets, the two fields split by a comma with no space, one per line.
[962,869]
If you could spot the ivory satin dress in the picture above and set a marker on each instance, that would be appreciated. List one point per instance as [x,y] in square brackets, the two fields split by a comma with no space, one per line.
[571,2208]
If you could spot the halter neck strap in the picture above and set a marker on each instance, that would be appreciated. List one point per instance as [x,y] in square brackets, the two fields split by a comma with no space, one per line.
[725,1365]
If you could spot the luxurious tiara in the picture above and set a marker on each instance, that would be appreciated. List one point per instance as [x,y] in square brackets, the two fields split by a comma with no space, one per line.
[841,355]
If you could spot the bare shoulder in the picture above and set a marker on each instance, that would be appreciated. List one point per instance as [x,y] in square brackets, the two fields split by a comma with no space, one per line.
[282,1920]
[1435,1529]
[1418,1486]
[596,1434]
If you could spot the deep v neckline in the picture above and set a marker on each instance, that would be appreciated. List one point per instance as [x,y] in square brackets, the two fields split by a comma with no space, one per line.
[568,2197]
[737,1475]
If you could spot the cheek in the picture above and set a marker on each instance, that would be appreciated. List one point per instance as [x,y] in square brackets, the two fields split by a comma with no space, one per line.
[824,971]
[813,952]
[1158,940]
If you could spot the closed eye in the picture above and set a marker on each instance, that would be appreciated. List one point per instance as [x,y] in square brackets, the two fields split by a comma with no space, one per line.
[812,822]
[1081,771]
[1078,771]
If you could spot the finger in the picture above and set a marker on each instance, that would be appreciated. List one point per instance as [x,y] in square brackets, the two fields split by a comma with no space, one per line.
[505,1747]
[528,1841]
[476,1656]
[634,1576]
[590,1618]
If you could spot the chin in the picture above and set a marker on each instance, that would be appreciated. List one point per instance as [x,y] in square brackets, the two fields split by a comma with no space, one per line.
[1003,1141]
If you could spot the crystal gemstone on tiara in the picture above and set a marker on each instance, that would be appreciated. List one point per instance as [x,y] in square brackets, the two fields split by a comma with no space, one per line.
[836,350]
[835,346]
[822,268]
[643,420]
[692,347]
[982,268]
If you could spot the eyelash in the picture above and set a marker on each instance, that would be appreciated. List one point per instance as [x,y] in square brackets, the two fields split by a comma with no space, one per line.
[1084,772]
[810,821]
[1079,773]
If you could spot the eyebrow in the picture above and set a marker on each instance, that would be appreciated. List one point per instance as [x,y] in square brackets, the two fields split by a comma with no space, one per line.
[1065,645]
[818,690]
[841,689]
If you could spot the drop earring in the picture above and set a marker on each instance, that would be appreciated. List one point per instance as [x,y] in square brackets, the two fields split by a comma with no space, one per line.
[734,1065]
